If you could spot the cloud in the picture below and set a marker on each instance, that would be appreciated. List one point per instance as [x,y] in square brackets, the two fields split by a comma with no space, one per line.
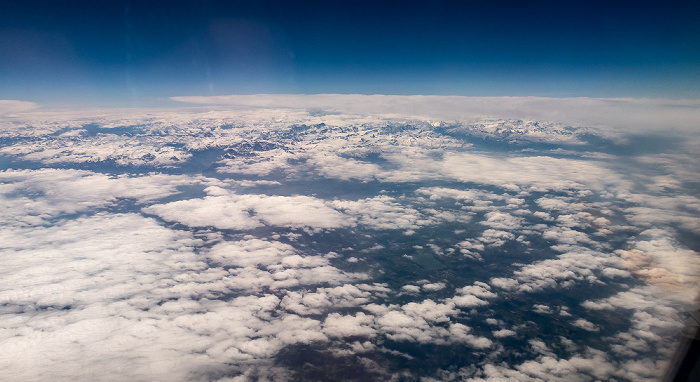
[8,107]
[503,333]
[253,253]
[566,235]
[424,322]
[225,210]
[472,295]
[662,262]
[542,309]
[243,212]
[334,166]
[592,364]
[574,265]
[92,259]
[358,325]
[630,114]
[502,220]
[81,291]
[101,292]
[413,289]
[476,196]
[494,238]
[538,173]
[216,211]
[433,287]
[34,197]
[143,276]
[586,325]
[307,303]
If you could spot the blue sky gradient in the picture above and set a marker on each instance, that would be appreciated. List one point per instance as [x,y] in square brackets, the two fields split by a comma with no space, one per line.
[131,52]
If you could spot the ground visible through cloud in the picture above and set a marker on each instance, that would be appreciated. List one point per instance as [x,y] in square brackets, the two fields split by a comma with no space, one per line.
[277,242]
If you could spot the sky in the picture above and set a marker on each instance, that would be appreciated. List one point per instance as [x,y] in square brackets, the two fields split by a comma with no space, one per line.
[133,52]
[463,190]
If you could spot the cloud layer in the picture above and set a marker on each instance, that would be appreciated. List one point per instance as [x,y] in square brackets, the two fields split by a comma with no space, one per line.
[345,235]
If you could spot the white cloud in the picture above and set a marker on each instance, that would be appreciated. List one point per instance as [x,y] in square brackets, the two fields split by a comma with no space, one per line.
[252,253]
[217,211]
[472,295]
[566,235]
[536,173]
[586,325]
[502,220]
[424,322]
[495,238]
[381,212]
[358,325]
[660,261]
[592,364]
[630,114]
[32,197]
[225,210]
[306,303]
[654,315]
[542,309]
[503,333]
[243,212]
[122,295]
[433,287]
[83,291]
[8,107]
[98,291]
[576,264]
[334,166]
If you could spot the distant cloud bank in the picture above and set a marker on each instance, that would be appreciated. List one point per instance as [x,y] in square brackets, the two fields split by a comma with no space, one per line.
[8,106]
[628,113]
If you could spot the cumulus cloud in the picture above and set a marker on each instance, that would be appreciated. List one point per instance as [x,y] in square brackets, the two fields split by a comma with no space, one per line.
[91,290]
[253,253]
[503,333]
[538,173]
[653,320]
[662,262]
[586,325]
[225,210]
[306,303]
[85,295]
[414,289]
[32,197]
[336,325]
[243,212]
[189,277]
[502,220]
[334,166]
[109,290]
[381,212]
[576,264]
[473,295]
[543,309]
[424,323]
[495,238]
[433,287]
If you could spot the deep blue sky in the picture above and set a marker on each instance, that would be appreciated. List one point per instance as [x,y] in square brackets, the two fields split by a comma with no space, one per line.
[127,52]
